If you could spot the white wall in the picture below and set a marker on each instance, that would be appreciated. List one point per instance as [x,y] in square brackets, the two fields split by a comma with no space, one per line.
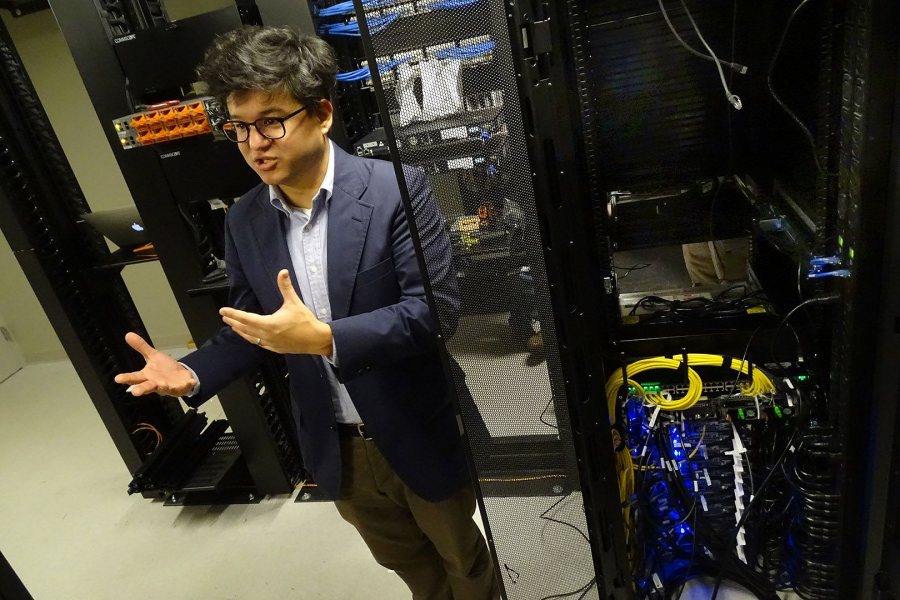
[52,71]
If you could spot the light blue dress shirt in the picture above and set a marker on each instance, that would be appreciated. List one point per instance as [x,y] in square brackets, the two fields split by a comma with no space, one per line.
[307,241]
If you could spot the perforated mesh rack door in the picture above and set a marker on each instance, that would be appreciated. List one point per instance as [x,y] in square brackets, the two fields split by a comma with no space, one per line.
[450,92]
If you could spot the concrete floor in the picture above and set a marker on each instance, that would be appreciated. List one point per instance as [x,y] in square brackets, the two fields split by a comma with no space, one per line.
[71,532]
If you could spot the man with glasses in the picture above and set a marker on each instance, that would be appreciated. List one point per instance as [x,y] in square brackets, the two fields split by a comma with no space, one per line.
[322,270]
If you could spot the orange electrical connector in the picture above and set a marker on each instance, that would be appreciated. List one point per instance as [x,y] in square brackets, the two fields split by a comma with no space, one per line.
[201,124]
[168,119]
[182,115]
[139,123]
[145,137]
[162,122]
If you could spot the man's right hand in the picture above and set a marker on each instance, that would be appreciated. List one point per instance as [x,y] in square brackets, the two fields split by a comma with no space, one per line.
[161,375]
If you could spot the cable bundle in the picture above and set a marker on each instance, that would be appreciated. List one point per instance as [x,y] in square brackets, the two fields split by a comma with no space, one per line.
[363,73]
[690,505]
[813,544]
[376,25]
[341,8]
[464,52]
[699,307]
[685,502]
[688,400]
[450,4]
[760,383]
[360,74]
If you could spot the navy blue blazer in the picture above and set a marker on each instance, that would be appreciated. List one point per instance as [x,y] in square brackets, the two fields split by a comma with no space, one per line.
[384,332]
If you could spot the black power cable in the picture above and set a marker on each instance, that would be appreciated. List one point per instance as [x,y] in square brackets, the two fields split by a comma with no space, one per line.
[784,107]
[808,302]
[788,448]
[583,590]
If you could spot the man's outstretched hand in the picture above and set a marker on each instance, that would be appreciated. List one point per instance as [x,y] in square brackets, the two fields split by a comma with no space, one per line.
[161,375]
[292,329]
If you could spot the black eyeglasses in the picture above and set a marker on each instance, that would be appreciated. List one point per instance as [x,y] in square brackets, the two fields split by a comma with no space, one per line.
[271,128]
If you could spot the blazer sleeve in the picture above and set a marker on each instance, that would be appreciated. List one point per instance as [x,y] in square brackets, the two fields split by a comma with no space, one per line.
[226,356]
[407,328]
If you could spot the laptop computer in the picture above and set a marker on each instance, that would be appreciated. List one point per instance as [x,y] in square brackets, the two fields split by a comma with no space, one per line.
[122,226]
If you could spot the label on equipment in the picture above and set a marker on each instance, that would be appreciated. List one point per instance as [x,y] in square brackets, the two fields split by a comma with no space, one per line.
[454,133]
[461,163]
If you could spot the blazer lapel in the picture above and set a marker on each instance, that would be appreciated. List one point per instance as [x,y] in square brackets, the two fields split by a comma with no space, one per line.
[271,239]
[348,223]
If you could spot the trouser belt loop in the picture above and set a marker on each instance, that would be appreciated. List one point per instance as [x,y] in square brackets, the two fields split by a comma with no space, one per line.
[353,430]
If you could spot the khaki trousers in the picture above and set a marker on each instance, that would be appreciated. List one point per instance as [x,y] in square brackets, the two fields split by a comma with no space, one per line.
[435,547]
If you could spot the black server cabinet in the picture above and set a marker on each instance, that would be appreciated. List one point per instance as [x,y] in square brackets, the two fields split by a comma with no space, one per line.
[463,100]
[134,61]
[71,270]
[571,137]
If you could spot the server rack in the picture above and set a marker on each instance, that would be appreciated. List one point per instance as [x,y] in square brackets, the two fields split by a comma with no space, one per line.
[135,61]
[497,170]
[641,151]
[525,225]
[74,276]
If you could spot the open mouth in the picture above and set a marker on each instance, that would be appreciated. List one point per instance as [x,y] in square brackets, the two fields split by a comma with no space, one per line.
[265,164]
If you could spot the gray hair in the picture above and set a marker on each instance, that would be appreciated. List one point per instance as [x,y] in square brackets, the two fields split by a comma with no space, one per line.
[269,59]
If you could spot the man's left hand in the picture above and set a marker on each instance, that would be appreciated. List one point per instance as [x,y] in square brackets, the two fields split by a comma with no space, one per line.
[292,329]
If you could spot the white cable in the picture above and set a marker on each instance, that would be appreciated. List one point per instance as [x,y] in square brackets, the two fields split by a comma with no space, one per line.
[406,97]
[731,65]
[434,90]
[732,98]
[450,73]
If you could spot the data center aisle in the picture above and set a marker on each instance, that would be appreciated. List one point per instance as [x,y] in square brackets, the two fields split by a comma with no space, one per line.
[71,532]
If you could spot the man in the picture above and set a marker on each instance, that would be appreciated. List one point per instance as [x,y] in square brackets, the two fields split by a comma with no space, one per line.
[322,269]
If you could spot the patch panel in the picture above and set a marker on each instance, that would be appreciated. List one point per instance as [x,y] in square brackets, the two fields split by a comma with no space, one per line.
[168,121]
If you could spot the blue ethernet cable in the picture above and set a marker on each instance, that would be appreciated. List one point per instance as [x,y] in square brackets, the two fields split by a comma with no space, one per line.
[464,52]
[450,4]
[363,73]
[376,25]
[341,8]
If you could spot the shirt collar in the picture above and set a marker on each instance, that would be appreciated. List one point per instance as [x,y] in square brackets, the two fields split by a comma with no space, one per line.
[325,189]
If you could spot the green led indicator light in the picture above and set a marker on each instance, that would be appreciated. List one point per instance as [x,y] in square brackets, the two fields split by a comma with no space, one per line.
[802,377]
[841,241]
[778,412]
[740,413]
[851,253]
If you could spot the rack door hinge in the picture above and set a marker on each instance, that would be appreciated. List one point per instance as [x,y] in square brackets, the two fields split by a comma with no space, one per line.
[536,38]
[537,43]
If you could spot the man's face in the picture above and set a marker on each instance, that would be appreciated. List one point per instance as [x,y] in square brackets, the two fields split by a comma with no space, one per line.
[284,161]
